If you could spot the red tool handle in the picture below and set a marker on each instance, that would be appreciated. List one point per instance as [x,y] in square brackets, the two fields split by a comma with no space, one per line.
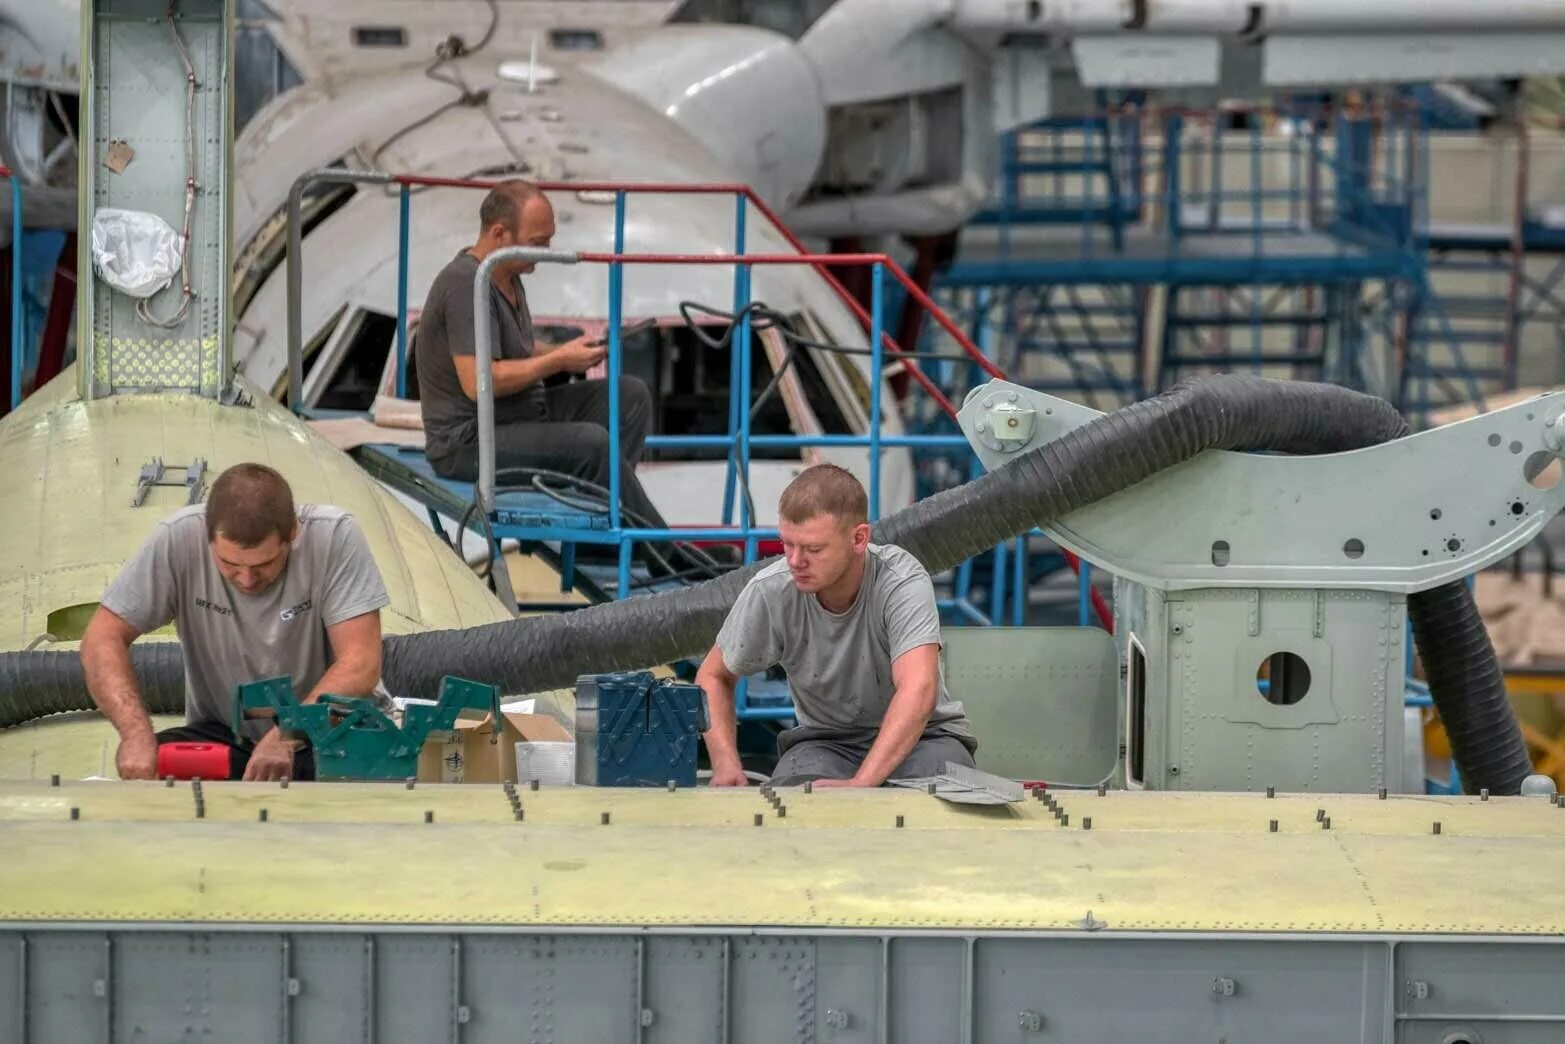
[189,760]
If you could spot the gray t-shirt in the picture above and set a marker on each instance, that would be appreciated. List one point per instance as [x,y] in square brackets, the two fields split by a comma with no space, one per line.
[839,666]
[445,328]
[230,637]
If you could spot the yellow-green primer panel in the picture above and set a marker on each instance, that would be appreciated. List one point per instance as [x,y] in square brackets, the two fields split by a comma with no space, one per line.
[70,525]
[1196,863]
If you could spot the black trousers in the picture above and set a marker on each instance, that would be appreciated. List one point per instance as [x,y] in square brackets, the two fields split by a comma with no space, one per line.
[238,748]
[575,441]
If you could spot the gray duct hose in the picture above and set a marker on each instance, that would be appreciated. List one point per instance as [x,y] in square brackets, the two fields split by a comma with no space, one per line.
[1112,453]
[33,684]
[1468,688]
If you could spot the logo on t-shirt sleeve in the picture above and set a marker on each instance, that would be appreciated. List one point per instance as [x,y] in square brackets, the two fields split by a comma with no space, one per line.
[289,614]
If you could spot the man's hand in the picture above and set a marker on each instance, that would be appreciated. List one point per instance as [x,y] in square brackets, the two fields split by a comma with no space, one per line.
[840,784]
[579,355]
[137,757]
[271,760]
[729,774]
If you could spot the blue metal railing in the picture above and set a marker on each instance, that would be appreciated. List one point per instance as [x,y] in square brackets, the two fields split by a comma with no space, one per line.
[739,440]
[1337,199]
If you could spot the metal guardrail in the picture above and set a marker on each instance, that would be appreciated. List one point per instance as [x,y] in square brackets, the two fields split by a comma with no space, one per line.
[739,435]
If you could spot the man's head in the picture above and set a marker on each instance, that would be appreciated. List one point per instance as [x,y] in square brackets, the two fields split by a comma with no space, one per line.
[250,526]
[824,525]
[514,213]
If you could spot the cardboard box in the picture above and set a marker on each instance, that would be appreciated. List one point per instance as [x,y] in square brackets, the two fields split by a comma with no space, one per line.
[475,754]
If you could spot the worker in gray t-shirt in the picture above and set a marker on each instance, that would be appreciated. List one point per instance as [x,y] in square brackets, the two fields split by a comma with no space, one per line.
[856,627]
[256,588]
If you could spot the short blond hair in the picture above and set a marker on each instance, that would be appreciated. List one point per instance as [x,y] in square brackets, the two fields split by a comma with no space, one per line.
[824,489]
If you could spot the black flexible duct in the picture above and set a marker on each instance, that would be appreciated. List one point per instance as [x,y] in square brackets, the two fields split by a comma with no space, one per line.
[1112,453]
[33,684]
[1468,688]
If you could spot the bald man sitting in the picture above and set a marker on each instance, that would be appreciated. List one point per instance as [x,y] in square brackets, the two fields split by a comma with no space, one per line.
[563,427]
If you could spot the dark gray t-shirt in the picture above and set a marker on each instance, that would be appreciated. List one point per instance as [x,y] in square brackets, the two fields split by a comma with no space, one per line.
[445,328]
[230,637]
[839,666]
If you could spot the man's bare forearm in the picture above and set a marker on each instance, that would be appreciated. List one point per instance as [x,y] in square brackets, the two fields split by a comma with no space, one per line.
[510,375]
[343,678]
[900,732]
[722,744]
[112,683]
[514,375]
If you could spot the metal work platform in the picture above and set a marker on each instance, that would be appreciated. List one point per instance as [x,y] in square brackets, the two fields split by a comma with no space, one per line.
[1047,254]
[535,517]
[1135,248]
[609,915]
[406,470]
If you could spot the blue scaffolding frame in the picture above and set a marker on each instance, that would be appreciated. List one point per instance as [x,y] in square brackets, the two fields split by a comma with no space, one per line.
[1484,293]
[1126,264]
[505,516]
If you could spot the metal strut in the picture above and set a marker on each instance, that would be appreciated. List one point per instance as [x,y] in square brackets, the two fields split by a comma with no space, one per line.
[152,475]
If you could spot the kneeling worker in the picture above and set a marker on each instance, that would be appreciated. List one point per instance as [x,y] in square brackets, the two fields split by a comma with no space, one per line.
[256,589]
[856,627]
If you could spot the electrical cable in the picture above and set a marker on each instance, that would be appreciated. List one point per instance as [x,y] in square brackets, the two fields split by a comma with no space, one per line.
[538,479]
[763,317]
[144,306]
[449,49]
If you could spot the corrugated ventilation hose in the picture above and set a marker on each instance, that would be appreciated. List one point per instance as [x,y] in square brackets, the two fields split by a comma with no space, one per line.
[1110,454]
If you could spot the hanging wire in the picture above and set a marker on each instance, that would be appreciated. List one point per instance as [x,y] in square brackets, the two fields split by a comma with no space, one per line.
[144,306]
[450,49]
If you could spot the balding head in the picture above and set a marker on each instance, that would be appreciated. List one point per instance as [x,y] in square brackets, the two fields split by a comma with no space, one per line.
[505,204]
[514,213]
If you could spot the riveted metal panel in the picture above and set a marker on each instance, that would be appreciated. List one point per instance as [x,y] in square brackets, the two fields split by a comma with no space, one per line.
[68,982]
[1042,700]
[1157,992]
[684,989]
[773,991]
[198,986]
[586,988]
[1343,735]
[13,986]
[1448,985]
[927,1002]
[850,979]
[335,995]
[413,995]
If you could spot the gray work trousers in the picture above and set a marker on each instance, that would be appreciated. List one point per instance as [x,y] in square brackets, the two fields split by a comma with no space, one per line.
[810,754]
[574,440]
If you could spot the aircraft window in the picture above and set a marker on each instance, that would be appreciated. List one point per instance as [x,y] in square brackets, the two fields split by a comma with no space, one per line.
[575,39]
[361,358]
[791,17]
[261,70]
[379,36]
[260,258]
